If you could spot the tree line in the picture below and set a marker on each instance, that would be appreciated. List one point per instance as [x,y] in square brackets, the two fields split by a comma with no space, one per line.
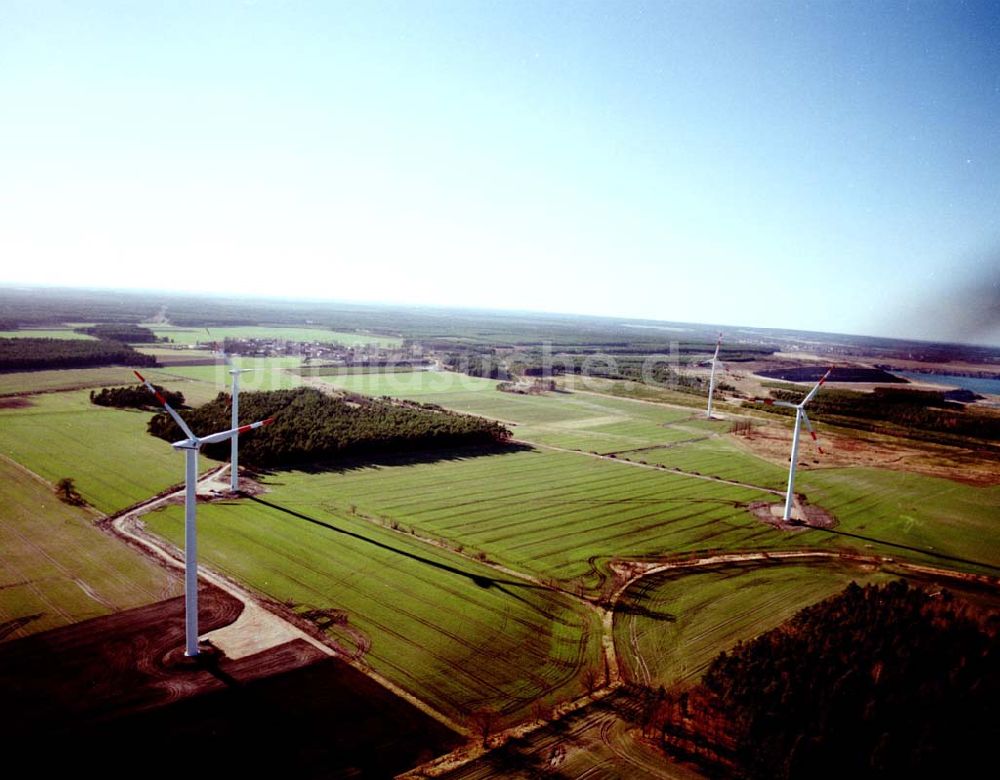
[120,331]
[32,354]
[135,397]
[310,426]
[913,411]
[880,681]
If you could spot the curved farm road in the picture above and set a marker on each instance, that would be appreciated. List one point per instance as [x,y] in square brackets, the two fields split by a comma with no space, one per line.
[261,626]
[258,627]
[589,721]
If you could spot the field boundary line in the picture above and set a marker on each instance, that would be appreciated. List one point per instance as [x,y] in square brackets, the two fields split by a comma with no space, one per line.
[126,524]
[653,467]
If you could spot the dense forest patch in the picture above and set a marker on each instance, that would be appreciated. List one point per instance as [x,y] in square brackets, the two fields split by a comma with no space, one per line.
[120,331]
[880,681]
[311,426]
[36,354]
[134,397]
[926,414]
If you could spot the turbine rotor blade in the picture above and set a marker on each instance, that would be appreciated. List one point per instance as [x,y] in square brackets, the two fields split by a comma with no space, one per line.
[223,435]
[805,419]
[815,390]
[159,397]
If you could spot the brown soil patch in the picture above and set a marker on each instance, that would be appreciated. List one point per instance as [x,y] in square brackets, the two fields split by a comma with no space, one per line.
[15,402]
[972,467]
[771,513]
[116,693]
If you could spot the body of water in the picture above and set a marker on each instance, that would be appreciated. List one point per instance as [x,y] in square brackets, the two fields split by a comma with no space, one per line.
[974,383]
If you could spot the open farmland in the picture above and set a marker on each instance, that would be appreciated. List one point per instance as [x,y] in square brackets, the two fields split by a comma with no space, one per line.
[669,626]
[181,335]
[62,380]
[58,569]
[400,560]
[114,462]
[933,515]
[265,374]
[913,510]
[58,380]
[570,420]
[544,512]
[716,456]
[444,627]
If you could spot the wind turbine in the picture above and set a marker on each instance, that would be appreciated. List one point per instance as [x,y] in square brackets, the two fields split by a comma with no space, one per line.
[711,380]
[191,446]
[234,465]
[800,417]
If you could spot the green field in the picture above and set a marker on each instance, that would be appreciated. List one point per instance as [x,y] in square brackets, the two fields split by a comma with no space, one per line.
[570,420]
[717,456]
[179,335]
[182,355]
[440,623]
[444,627]
[57,568]
[197,386]
[919,511]
[23,382]
[107,451]
[44,333]
[669,626]
[932,514]
[547,512]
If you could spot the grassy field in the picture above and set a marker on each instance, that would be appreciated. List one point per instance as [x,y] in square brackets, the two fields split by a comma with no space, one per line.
[569,420]
[545,512]
[442,626]
[107,451]
[44,333]
[198,386]
[523,508]
[913,510]
[66,379]
[625,388]
[717,456]
[57,569]
[440,623]
[171,355]
[180,335]
[670,626]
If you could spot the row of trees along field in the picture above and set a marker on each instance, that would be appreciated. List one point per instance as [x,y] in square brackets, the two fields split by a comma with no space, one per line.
[35,354]
[310,426]
[621,363]
[882,681]
[135,397]
[120,331]
[917,411]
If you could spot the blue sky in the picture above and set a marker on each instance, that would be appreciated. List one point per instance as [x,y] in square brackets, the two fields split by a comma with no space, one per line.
[824,165]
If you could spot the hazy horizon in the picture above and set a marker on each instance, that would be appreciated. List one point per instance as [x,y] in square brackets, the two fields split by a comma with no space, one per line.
[829,167]
[624,318]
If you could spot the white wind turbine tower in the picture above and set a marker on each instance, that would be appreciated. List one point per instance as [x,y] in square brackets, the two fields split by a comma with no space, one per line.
[800,417]
[191,446]
[711,380]
[234,465]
